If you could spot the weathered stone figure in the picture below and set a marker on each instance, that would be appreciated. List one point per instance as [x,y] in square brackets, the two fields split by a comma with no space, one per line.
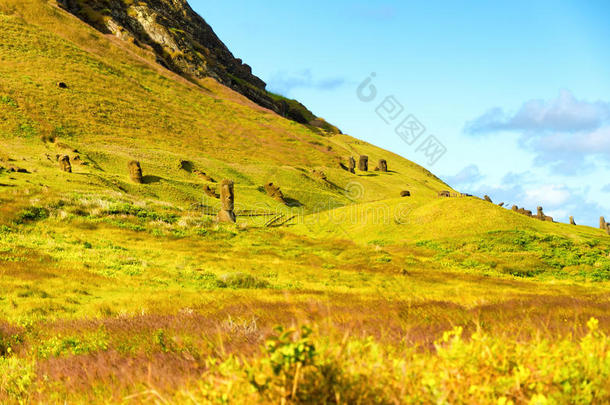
[352,165]
[383,165]
[227,199]
[274,192]
[515,208]
[135,171]
[488,199]
[608,228]
[572,222]
[405,193]
[363,163]
[501,204]
[540,215]
[602,223]
[444,193]
[64,163]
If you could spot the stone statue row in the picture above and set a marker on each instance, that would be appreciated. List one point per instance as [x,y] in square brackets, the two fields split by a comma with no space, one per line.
[227,194]
[363,165]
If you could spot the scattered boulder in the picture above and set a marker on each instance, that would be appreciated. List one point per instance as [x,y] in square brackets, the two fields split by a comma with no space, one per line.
[227,200]
[135,171]
[62,85]
[602,223]
[363,163]
[64,163]
[352,165]
[572,222]
[444,193]
[405,193]
[501,204]
[274,192]
[488,199]
[16,169]
[383,165]
[186,165]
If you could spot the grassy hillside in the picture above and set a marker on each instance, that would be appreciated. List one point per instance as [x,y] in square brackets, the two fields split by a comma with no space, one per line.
[116,292]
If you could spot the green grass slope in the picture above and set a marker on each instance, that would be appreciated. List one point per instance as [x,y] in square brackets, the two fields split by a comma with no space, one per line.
[118,106]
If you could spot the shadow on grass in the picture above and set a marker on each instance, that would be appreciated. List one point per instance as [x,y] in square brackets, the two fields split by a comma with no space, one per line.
[149,179]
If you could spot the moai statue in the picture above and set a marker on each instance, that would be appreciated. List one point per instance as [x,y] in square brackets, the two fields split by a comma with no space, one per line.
[608,228]
[352,165]
[274,192]
[135,171]
[488,199]
[363,163]
[515,208]
[501,204]
[227,199]
[383,165]
[572,222]
[540,215]
[405,193]
[64,163]
[602,223]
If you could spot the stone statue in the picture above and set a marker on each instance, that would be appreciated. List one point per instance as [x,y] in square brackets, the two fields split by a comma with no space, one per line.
[64,163]
[135,171]
[363,163]
[227,199]
[352,165]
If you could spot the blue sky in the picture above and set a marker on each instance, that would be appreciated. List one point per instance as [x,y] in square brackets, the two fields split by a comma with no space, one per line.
[517,92]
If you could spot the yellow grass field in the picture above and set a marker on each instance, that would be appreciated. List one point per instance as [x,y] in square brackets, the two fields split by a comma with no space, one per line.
[116,292]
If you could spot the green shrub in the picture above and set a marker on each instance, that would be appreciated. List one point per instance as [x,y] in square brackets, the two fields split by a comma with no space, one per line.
[241,281]
[31,214]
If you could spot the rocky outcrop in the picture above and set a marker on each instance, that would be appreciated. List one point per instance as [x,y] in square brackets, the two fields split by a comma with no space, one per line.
[184,43]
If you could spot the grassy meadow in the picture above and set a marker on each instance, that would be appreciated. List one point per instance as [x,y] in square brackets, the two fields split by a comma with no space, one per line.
[115,292]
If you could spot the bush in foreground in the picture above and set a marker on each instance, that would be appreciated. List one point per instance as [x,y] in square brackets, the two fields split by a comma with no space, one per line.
[298,369]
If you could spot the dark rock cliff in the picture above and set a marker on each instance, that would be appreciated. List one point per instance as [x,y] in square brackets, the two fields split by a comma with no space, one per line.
[184,43]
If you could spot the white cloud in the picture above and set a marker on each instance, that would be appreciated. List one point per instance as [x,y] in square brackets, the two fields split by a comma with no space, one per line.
[568,135]
[563,114]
